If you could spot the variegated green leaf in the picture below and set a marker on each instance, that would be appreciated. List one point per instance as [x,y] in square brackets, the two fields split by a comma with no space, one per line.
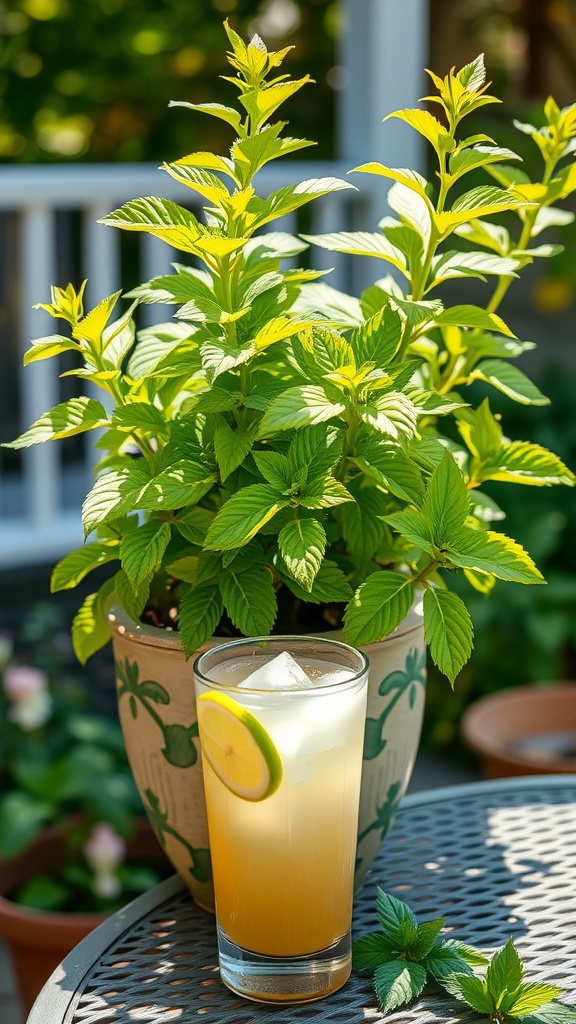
[65,420]
[448,631]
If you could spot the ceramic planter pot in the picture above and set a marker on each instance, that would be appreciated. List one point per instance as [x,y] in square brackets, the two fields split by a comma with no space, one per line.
[158,716]
[38,940]
[526,730]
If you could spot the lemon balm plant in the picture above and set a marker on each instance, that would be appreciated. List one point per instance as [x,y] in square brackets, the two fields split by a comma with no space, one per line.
[281,456]
[290,438]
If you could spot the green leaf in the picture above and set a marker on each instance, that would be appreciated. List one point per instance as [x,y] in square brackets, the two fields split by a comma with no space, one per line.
[160,217]
[469,989]
[43,893]
[93,324]
[510,380]
[390,468]
[200,611]
[114,494]
[140,416]
[428,126]
[362,526]
[472,956]
[447,502]
[378,339]
[184,483]
[52,345]
[415,213]
[464,160]
[554,1012]
[218,359]
[397,983]
[72,417]
[473,75]
[315,451]
[370,951]
[69,572]
[448,631]
[426,937]
[242,516]
[133,601]
[505,972]
[90,630]
[391,414]
[292,197]
[21,819]
[299,407]
[232,447]
[142,550]
[378,607]
[472,316]
[193,523]
[302,544]
[218,110]
[481,430]
[397,920]
[494,553]
[360,243]
[449,265]
[330,586]
[530,997]
[525,463]
[480,202]
[275,469]
[324,492]
[340,309]
[442,960]
[250,600]
[411,179]
[414,526]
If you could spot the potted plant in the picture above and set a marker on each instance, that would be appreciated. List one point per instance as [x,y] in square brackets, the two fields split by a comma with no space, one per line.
[74,842]
[281,456]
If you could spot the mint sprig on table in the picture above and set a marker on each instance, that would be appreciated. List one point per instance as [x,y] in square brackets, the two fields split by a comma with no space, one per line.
[405,955]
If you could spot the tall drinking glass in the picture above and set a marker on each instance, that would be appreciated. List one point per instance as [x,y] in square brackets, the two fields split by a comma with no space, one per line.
[281,723]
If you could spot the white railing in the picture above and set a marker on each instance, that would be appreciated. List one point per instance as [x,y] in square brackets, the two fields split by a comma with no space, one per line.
[46,524]
[382,52]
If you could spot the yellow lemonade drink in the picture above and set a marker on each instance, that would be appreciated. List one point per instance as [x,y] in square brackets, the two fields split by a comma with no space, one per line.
[283,839]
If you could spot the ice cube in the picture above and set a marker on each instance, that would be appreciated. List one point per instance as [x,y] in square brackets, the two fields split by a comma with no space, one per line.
[337,675]
[281,673]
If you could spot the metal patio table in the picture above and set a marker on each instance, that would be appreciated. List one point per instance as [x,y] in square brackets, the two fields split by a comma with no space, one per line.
[497,858]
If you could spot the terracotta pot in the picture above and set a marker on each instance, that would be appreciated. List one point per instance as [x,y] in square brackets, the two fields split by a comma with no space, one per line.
[526,730]
[157,711]
[38,940]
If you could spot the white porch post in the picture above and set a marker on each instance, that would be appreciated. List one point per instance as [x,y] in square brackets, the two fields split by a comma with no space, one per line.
[384,48]
[383,53]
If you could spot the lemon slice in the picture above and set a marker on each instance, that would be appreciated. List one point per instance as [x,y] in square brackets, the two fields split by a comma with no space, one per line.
[238,748]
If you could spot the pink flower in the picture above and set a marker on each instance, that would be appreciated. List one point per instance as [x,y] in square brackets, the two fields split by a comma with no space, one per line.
[104,851]
[21,681]
[27,689]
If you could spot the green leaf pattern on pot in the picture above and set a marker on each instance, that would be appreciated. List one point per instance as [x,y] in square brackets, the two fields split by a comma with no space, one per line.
[179,749]
[384,814]
[397,684]
[201,868]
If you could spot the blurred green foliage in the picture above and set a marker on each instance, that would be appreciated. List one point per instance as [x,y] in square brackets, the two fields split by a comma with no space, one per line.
[91,79]
[522,634]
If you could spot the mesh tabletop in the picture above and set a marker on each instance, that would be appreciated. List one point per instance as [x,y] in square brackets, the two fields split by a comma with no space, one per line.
[498,859]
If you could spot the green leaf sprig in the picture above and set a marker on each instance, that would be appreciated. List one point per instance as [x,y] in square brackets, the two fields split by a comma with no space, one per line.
[406,954]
